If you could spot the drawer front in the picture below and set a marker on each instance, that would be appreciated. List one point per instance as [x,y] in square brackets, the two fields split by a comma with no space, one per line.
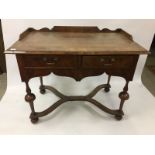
[107,61]
[49,61]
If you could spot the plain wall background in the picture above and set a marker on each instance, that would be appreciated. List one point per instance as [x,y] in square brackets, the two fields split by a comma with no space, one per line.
[141,30]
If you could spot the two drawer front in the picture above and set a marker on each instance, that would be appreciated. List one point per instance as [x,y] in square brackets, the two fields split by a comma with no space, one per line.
[71,61]
[107,61]
[50,61]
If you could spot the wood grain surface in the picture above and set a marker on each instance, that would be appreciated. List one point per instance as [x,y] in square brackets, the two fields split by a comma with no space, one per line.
[60,41]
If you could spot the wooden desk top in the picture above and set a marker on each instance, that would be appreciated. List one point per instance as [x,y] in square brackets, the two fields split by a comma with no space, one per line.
[76,40]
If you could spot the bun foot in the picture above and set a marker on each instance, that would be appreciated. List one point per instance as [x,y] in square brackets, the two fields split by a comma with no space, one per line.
[42,90]
[34,120]
[106,89]
[118,117]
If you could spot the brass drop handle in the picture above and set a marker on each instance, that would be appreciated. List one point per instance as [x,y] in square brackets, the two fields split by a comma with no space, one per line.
[107,64]
[113,60]
[110,62]
[102,60]
[50,61]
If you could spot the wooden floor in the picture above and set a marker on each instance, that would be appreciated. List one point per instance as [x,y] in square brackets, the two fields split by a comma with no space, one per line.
[148,78]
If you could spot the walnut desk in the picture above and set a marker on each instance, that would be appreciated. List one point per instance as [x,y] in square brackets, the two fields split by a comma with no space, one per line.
[76,52]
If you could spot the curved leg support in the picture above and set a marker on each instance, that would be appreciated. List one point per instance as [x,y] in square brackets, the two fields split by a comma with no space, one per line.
[30,99]
[123,96]
[89,98]
[63,98]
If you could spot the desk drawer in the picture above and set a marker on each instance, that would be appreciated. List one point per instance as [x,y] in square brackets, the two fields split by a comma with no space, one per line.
[107,61]
[49,61]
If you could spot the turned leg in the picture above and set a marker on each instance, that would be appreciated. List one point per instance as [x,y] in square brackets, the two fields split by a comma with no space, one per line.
[42,88]
[107,88]
[30,99]
[123,96]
